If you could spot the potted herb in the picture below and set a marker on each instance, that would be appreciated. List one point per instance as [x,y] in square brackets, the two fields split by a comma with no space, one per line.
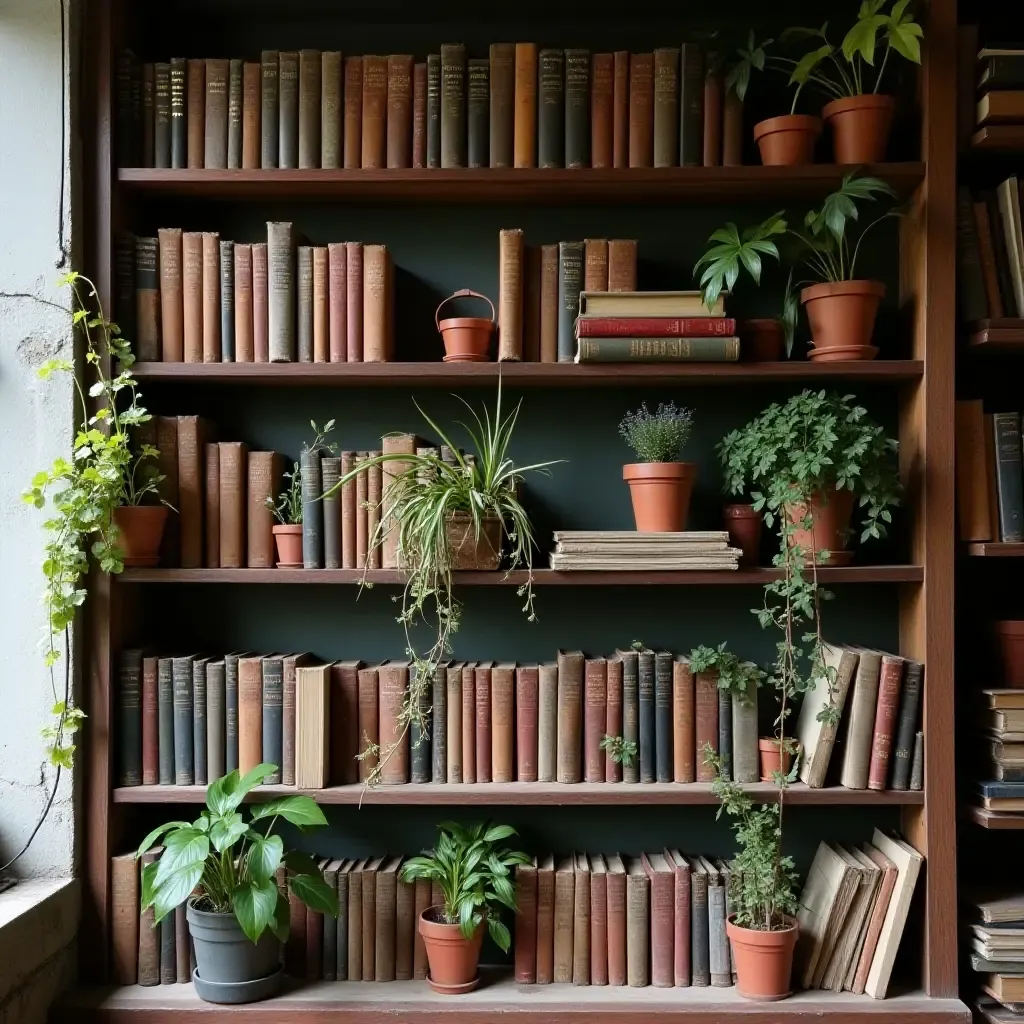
[226,868]
[287,511]
[660,483]
[475,876]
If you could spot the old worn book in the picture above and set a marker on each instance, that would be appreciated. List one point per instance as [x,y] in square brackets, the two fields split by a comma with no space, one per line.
[420,728]
[433,110]
[663,731]
[231,719]
[469,722]
[419,114]
[250,712]
[976,516]
[438,740]
[613,715]
[681,927]
[906,724]
[312,510]
[501,117]
[453,105]
[581,921]
[374,489]
[886,713]
[638,899]
[827,895]
[525,951]
[354,937]
[161,116]
[304,328]
[215,152]
[337,302]
[860,964]
[405,930]
[264,481]
[631,711]
[510,294]
[745,756]
[484,750]
[260,304]
[478,111]
[821,711]
[377,346]
[453,724]
[666,107]
[329,941]
[218,299]
[394,444]
[526,728]
[177,79]
[602,93]
[398,130]
[570,717]
[683,742]
[149,932]
[199,730]
[713,99]
[525,106]
[330,470]
[622,256]
[129,718]
[172,338]
[216,730]
[310,65]
[165,721]
[369,932]
[421,902]
[124,927]
[394,738]
[551,108]
[700,949]
[331,107]
[288,108]
[662,913]
[545,919]
[641,110]
[282,291]
[852,931]
[564,907]
[718,943]
[251,115]
[344,719]
[917,763]
[193,432]
[620,108]
[598,920]
[386,909]
[320,304]
[295,948]
[547,722]
[343,532]
[503,724]
[272,729]
[549,303]
[368,682]
[691,105]
[234,472]
[352,134]
[150,722]
[570,285]
[595,714]
[1009,475]
[147,299]
[167,488]
[182,946]
[184,756]
[289,674]
[860,729]
[577,108]
[269,109]
[195,111]
[168,946]
[595,264]
[646,716]
[615,886]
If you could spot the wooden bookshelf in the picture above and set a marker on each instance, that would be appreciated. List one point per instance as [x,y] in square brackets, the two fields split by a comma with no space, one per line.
[996,819]
[995,549]
[1005,335]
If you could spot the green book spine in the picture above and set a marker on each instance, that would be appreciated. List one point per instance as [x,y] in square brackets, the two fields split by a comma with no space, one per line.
[453,104]
[184,756]
[439,725]
[479,128]
[551,109]
[165,721]
[230,712]
[577,108]
[691,106]
[312,512]
[273,711]
[570,284]
[129,733]
[1009,476]
[419,735]
[235,113]
[725,732]
[657,350]
[648,736]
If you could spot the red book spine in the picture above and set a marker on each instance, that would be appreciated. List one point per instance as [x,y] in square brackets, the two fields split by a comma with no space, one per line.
[886,711]
[595,718]
[663,915]
[706,702]
[613,716]
[681,962]
[483,724]
[526,723]
[150,723]
[526,924]
[655,327]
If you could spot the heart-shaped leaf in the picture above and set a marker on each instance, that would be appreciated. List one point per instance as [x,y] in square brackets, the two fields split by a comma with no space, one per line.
[255,907]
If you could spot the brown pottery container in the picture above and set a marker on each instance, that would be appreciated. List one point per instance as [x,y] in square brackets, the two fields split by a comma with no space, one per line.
[140,529]
[787,140]
[661,494]
[452,959]
[763,960]
[860,127]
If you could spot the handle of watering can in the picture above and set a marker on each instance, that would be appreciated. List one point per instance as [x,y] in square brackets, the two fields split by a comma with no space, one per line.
[462,293]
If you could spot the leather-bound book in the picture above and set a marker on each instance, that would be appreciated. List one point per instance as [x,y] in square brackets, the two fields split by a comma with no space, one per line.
[165,721]
[368,684]
[615,885]
[631,710]
[700,953]
[184,755]
[547,722]
[713,89]
[168,959]
[501,118]
[570,717]
[270,109]
[419,114]
[216,731]
[439,724]
[666,106]
[337,303]
[503,711]
[453,105]
[469,722]
[886,713]
[289,678]
[663,716]
[691,105]
[235,102]
[531,302]
[613,715]
[355,921]
[244,341]
[182,947]
[215,150]
[148,105]
[581,921]
[453,730]
[526,705]
[705,721]
[745,757]
[602,98]
[525,954]
[647,717]
[718,942]
[638,900]
[295,947]
[281,289]
[330,469]
[595,264]
[620,110]
[192,295]
[420,729]
[405,930]
[252,87]
[725,733]
[551,108]
[250,712]
[260,304]
[129,718]
[331,107]
[815,733]
[162,115]
[906,725]
[226,261]
[641,110]
[288,108]
[510,294]
[231,662]
[304,331]
[320,304]
[662,914]
[598,920]
[433,128]
[570,284]
[577,108]
[549,303]
[595,710]
[524,150]
[354,254]
[149,935]
[622,264]
[484,753]
[352,136]
[399,112]
[478,74]
[309,108]
[264,481]
[376,315]
[342,923]
[272,670]
[394,738]
[150,723]
[344,722]
[564,927]
[200,743]
[545,920]
[683,749]
[234,472]
[312,720]
[374,116]
[195,110]
[212,297]
[312,511]
[369,933]
[172,338]
[167,489]
[349,512]
[421,902]
[863,699]
[124,283]
[397,444]
[361,514]
[147,300]
[177,76]
[329,943]
[192,434]
[681,917]
[732,130]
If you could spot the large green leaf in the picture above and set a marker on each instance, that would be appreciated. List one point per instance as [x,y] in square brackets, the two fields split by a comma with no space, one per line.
[228,791]
[498,832]
[264,856]
[255,906]
[282,917]
[227,830]
[182,849]
[500,934]
[808,62]
[300,863]
[315,893]
[175,889]
[903,33]
[153,836]
[301,811]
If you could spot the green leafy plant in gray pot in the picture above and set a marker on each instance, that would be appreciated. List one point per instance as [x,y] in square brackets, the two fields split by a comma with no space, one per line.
[226,869]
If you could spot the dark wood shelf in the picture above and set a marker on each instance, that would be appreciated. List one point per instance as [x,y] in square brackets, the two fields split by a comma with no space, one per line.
[998,138]
[995,549]
[1004,335]
[524,794]
[541,577]
[567,375]
[996,820]
[506,186]
[497,998]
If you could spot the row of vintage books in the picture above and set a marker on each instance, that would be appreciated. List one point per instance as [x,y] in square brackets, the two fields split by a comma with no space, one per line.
[519,106]
[186,720]
[996,937]
[989,473]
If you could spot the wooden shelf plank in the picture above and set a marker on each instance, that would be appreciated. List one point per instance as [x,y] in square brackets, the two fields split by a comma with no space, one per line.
[1005,335]
[498,998]
[541,577]
[996,820]
[563,375]
[531,794]
[995,549]
[998,138]
[466,186]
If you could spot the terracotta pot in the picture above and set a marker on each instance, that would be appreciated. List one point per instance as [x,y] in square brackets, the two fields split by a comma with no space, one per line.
[744,526]
[771,758]
[1010,634]
[467,339]
[762,340]
[661,494]
[141,528]
[842,314]
[787,140]
[763,960]
[469,551]
[452,958]
[830,513]
[860,127]
[289,545]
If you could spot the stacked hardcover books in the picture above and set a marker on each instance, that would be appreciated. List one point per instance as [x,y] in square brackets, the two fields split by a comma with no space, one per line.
[1003,720]
[624,550]
[997,950]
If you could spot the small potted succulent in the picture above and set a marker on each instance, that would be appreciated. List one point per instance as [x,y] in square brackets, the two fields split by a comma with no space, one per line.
[660,483]
[227,869]
[476,879]
[287,510]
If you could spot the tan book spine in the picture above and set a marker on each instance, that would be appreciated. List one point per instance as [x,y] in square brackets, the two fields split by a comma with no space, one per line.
[531,303]
[469,723]
[354,285]
[581,922]
[565,905]
[320,304]
[375,311]
[419,115]
[233,476]
[124,929]
[211,493]
[215,148]
[172,340]
[353,146]
[149,938]
[484,751]
[394,736]
[602,100]
[616,913]
[331,109]
[361,512]
[385,906]
[570,716]
[510,294]
[638,895]
[369,719]
[337,277]
[666,106]
[713,98]
[405,931]
[375,103]
[683,749]
[264,475]
[595,264]
[547,722]
[620,108]
[613,715]
[192,294]
[503,715]
[312,715]
[545,921]
[348,512]
[527,684]
[549,303]
[252,87]
[244,337]
[453,733]
[525,119]
[250,713]
[374,484]
[260,305]
[211,297]
[192,432]
[196,113]
[399,115]
[397,444]
[641,110]
[622,264]
[355,923]
[369,933]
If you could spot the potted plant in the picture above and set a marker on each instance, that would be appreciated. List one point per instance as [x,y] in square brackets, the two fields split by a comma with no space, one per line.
[660,483]
[287,511]
[475,876]
[226,868]
[743,523]
[467,339]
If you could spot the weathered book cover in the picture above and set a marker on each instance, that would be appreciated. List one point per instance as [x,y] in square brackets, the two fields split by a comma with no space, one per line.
[226,259]
[199,725]
[216,139]
[420,729]
[570,284]
[525,955]
[526,711]
[374,117]
[886,712]
[478,111]
[551,108]
[638,899]
[662,910]
[216,729]
[453,105]
[129,720]
[150,722]
[484,751]
[312,511]
[394,738]
[647,717]
[663,716]
[613,715]
[545,920]
[524,150]
[564,908]
[570,716]
[700,951]
[705,722]
[310,66]
[439,724]
[184,761]
[288,108]
[666,107]
[581,922]
[577,108]
[124,928]
[281,286]
[502,99]
[273,714]
[503,722]
[269,110]
[725,733]
[631,711]
[352,145]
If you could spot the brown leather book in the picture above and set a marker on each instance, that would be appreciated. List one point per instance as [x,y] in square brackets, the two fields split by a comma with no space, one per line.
[620,110]
[331,107]
[386,907]
[419,115]
[598,920]
[595,718]
[705,721]
[211,504]
[295,947]
[564,928]
[662,913]
[395,444]
[545,920]
[987,258]
[149,936]
[375,104]
[192,294]
[713,98]
[683,742]
[244,339]
[354,270]
[453,722]
[394,736]
[469,722]
[525,954]
[369,934]
[525,116]
[320,304]
[260,305]
[250,713]
[375,304]
[682,929]
[172,339]
[264,480]
[595,264]
[374,484]
[251,89]
[310,88]
[886,712]
[421,897]
[211,297]
[368,683]
[503,724]
[549,303]
[353,146]
[570,717]
[602,99]
[581,922]
[150,724]
[732,130]
[613,715]
[531,302]
[124,926]
[182,965]
[666,106]
[344,722]
[337,308]
[405,930]
[484,752]
[349,513]
[399,109]
[641,110]
[622,264]
[234,474]
[147,298]
[355,920]
[167,461]
[975,514]
[314,944]
[616,916]
[215,152]
[526,722]
[510,294]
[195,86]
[638,897]
[192,434]
[304,332]
[361,512]
[288,108]
[502,71]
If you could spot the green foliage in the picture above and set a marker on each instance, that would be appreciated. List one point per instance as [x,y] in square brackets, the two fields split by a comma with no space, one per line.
[657,436]
[227,866]
[288,507]
[739,677]
[619,749]
[722,262]
[747,58]
[475,876]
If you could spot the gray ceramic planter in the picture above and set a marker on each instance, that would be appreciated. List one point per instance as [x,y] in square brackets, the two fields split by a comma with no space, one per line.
[225,956]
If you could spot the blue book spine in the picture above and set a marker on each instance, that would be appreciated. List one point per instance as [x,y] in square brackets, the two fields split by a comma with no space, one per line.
[184,764]
[230,713]
[199,750]
[165,721]
[273,714]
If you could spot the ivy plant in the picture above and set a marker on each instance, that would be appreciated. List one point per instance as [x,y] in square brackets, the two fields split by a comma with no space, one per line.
[741,678]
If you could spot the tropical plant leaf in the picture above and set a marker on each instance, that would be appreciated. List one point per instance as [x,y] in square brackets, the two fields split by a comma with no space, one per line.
[255,906]
[301,811]
[153,836]
[315,893]
[226,830]
[264,856]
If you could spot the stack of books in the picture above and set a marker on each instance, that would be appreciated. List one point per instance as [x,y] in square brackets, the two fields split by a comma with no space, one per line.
[997,950]
[1004,725]
[625,550]
[653,327]
[1000,90]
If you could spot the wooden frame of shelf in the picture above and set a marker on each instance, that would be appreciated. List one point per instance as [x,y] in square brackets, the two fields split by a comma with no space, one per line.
[996,819]
[1005,335]
[995,549]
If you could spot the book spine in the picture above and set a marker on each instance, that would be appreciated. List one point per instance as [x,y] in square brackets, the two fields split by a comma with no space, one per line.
[620,108]
[662,933]
[647,717]
[337,278]
[329,948]
[700,950]
[195,107]
[906,730]
[349,514]
[421,902]
[453,105]
[171,295]
[683,749]
[439,726]
[681,928]
[147,300]
[885,720]
[484,753]
[150,722]
[162,115]
[129,703]
[148,106]
[531,303]
[595,266]
[631,712]
[288,108]
[269,109]
[595,713]
[264,479]
[295,947]
[394,685]
[354,300]
[503,723]
[637,928]
[250,128]
[666,107]
[312,511]
[344,723]
[527,706]
[641,110]
[199,725]
[355,927]
[215,726]
[613,716]
[570,713]
[565,898]
[718,943]
[616,916]
[260,304]
[479,112]
[419,115]
[376,314]
[124,282]
[433,110]
[545,924]
[525,955]
[705,722]
[184,762]
[468,724]
[713,89]
[244,333]
[524,148]
[691,106]
[233,471]
[420,730]
[215,153]
[281,286]
[179,121]
[274,751]
[547,723]
[331,109]
[549,303]
[551,108]
[570,283]
[602,99]
[622,264]
[745,757]
[399,112]
[725,733]
[510,294]
[599,928]
[617,327]
[368,691]
[385,927]
[192,295]
[353,127]
[304,332]
[405,931]
[502,99]
[310,87]
[331,471]
[361,514]
[917,764]
[453,698]
[341,928]
[168,958]
[230,712]
[581,926]
[577,108]
[1009,476]
[226,301]
[320,304]
[149,938]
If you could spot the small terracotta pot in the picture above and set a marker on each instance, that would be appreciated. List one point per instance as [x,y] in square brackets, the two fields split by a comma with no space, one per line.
[289,545]
[763,960]
[1010,634]
[860,127]
[744,526]
[469,551]
[762,340]
[467,339]
[842,314]
[772,760]
[787,140]
[661,494]
[830,514]
[140,529]
[452,958]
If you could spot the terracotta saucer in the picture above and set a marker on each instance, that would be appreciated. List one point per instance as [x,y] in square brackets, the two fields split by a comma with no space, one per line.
[453,990]
[829,355]
[466,359]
